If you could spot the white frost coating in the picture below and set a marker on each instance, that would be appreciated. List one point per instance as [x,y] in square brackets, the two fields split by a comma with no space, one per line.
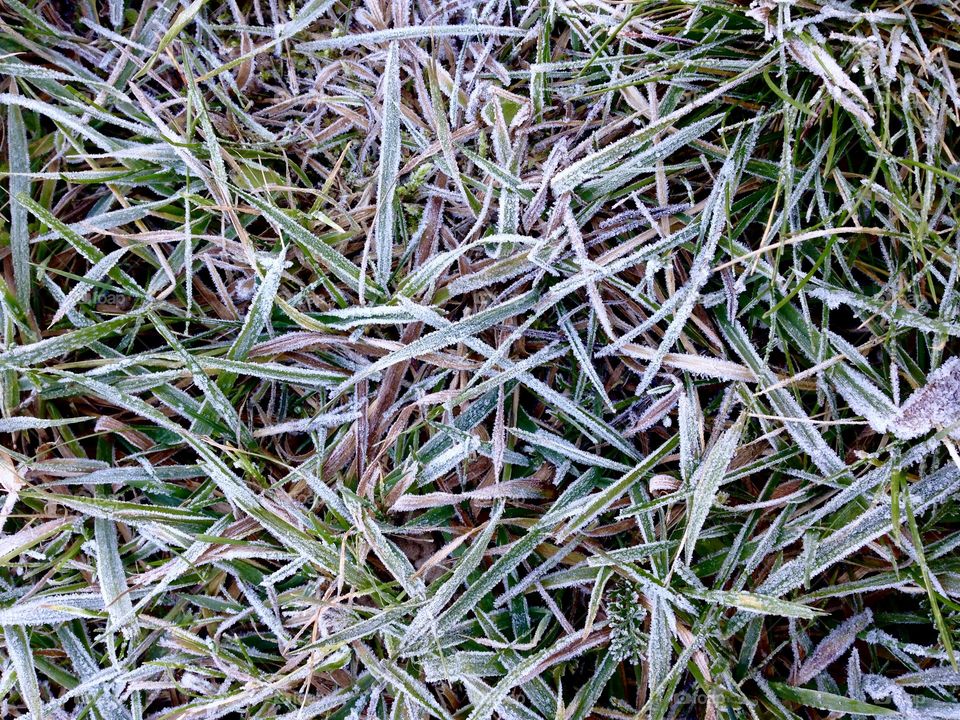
[881,688]
[389,164]
[305,15]
[258,316]
[18,160]
[690,425]
[266,614]
[95,274]
[407,33]
[835,297]
[18,648]
[785,405]
[16,424]
[935,405]
[73,122]
[101,692]
[580,171]
[700,269]
[449,459]
[833,646]
[521,488]
[319,422]
[181,564]
[622,173]
[583,357]
[925,494]
[549,441]
[854,676]
[940,677]
[112,575]
[864,398]
[879,637]
[841,88]
[106,220]
[51,609]
[354,317]
[659,649]
[333,700]
[706,482]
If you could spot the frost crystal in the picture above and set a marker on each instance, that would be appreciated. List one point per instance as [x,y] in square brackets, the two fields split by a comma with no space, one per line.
[935,405]
[626,616]
[833,646]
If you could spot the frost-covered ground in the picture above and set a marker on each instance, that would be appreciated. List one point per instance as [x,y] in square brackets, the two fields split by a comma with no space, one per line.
[560,360]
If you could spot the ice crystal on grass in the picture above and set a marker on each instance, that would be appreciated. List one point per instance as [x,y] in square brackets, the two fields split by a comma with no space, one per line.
[478,360]
[864,397]
[626,617]
[936,405]
[389,163]
[840,86]
[706,482]
[833,646]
